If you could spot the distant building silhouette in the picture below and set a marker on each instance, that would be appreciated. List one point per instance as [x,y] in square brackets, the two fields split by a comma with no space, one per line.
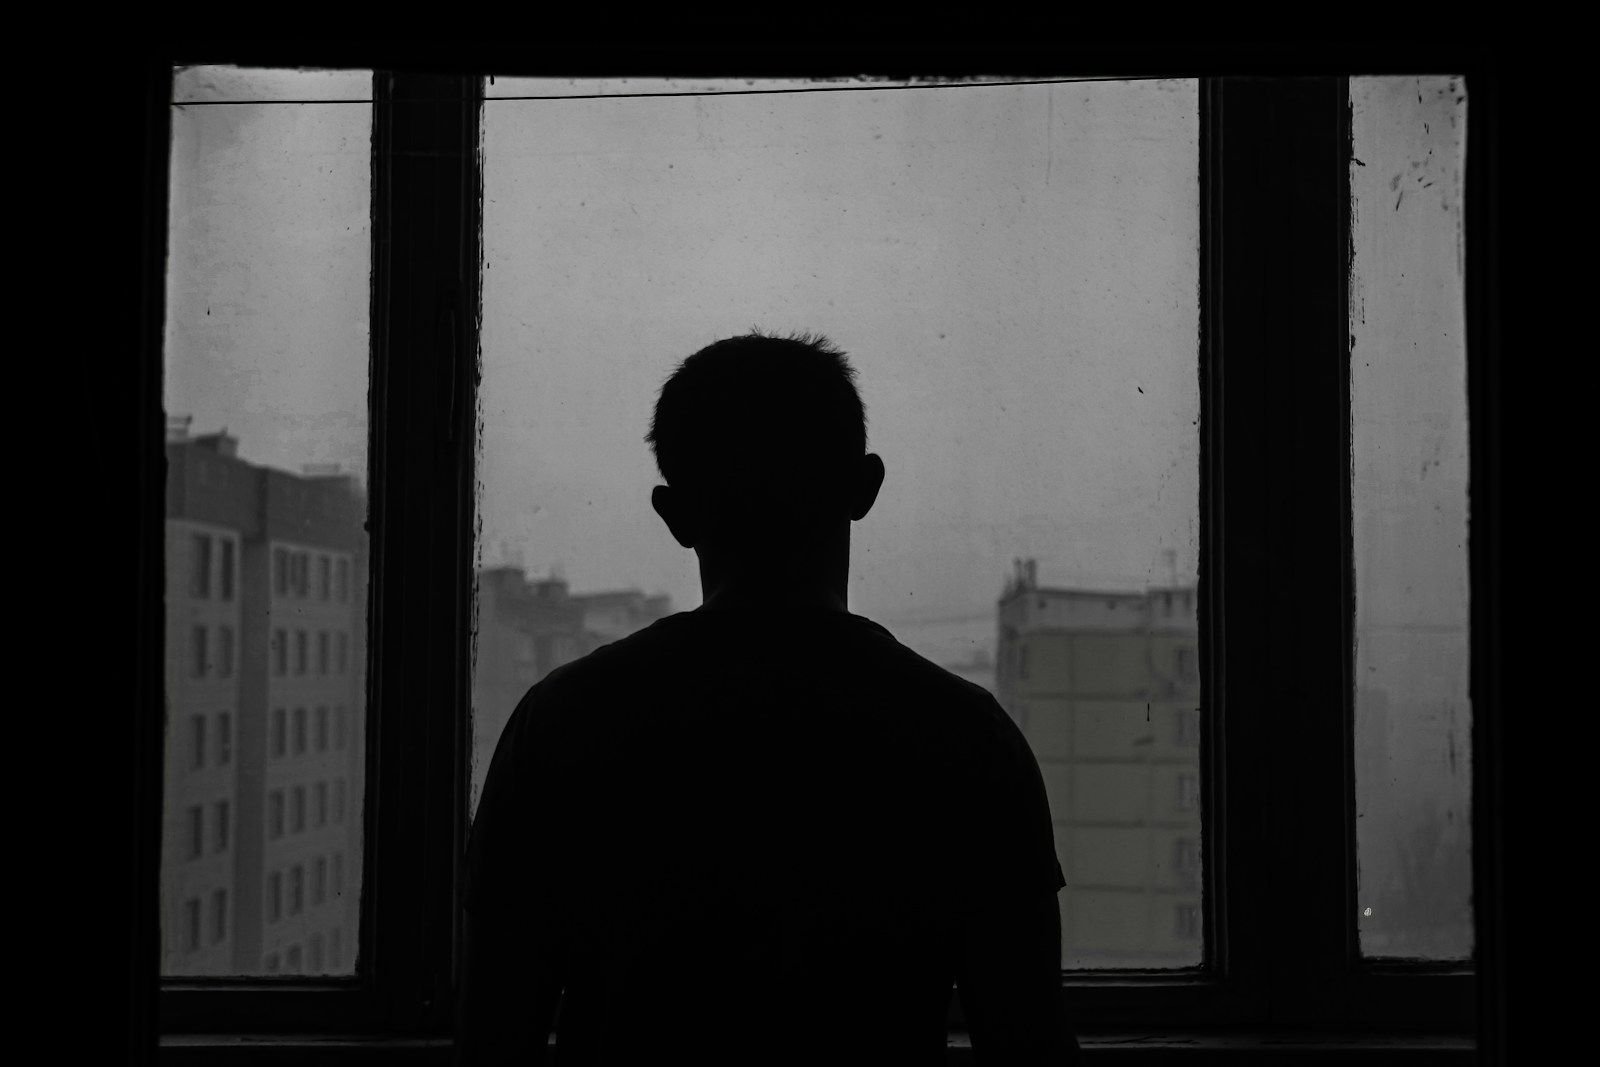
[527,627]
[266,657]
[1105,685]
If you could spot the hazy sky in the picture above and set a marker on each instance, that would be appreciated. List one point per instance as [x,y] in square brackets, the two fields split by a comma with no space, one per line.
[1013,270]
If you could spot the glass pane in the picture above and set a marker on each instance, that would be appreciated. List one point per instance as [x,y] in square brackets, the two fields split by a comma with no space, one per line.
[1409,422]
[1014,273]
[266,394]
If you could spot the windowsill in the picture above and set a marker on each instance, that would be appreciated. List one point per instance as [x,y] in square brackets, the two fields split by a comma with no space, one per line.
[1192,1047]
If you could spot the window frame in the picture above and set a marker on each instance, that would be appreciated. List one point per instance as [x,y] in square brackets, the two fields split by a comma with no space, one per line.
[1274,194]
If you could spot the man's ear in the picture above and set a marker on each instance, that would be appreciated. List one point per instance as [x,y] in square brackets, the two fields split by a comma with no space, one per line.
[670,505]
[869,479]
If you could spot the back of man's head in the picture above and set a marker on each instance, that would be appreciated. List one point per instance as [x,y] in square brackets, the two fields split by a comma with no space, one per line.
[761,430]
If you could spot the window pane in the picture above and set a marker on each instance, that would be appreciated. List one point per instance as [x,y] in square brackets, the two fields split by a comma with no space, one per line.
[266,396]
[1409,424]
[1014,271]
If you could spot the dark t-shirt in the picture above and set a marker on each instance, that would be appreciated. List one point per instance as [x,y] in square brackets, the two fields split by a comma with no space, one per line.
[771,827]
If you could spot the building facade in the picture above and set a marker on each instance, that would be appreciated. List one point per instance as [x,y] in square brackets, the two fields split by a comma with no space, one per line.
[266,640]
[1105,686]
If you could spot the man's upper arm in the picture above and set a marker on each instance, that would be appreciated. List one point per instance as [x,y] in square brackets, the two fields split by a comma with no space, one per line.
[1008,952]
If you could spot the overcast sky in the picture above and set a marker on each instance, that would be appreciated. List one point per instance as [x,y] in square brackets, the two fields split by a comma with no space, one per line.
[1013,270]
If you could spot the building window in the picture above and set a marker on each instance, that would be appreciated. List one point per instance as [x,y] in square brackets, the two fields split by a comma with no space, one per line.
[1185,662]
[338,800]
[280,653]
[198,641]
[191,925]
[275,814]
[274,896]
[225,651]
[319,880]
[300,652]
[1187,921]
[1188,792]
[1186,862]
[320,804]
[224,822]
[197,831]
[297,889]
[197,742]
[225,571]
[338,874]
[297,809]
[339,723]
[1187,727]
[316,953]
[292,959]
[322,652]
[219,916]
[344,581]
[224,739]
[280,571]
[280,732]
[299,731]
[303,575]
[344,653]
[324,579]
[322,729]
[200,578]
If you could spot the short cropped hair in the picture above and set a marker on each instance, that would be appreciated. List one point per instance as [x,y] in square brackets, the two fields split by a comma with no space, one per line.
[757,407]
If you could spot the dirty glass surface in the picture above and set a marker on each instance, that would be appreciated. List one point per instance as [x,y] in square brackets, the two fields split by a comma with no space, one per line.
[1410,496]
[265,388]
[1013,270]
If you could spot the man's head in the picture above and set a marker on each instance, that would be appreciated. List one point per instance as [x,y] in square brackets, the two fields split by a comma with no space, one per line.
[761,438]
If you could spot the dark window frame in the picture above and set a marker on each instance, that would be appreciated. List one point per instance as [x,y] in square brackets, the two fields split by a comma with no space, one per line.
[1274,248]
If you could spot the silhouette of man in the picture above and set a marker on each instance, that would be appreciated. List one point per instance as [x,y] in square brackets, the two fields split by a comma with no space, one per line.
[762,831]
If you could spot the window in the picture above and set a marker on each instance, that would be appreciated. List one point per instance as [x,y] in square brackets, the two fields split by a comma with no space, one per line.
[344,586]
[224,739]
[1279,136]
[191,925]
[1188,792]
[324,583]
[199,658]
[320,805]
[280,653]
[197,742]
[302,573]
[297,889]
[225,569]
[219,916]
[322,729]
[280,732]
[280,571]
[319,880]
[322,652]
[197,832]
[338,874]
[200,578]
[275,814]
[1186,862]
[316,953]
[297,809]
[225,652]
[299,731]
[292,959]
[299,652]
[224,823]
[274,896]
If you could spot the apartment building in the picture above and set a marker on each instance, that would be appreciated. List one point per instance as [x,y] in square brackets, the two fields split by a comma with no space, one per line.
[1105,686]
